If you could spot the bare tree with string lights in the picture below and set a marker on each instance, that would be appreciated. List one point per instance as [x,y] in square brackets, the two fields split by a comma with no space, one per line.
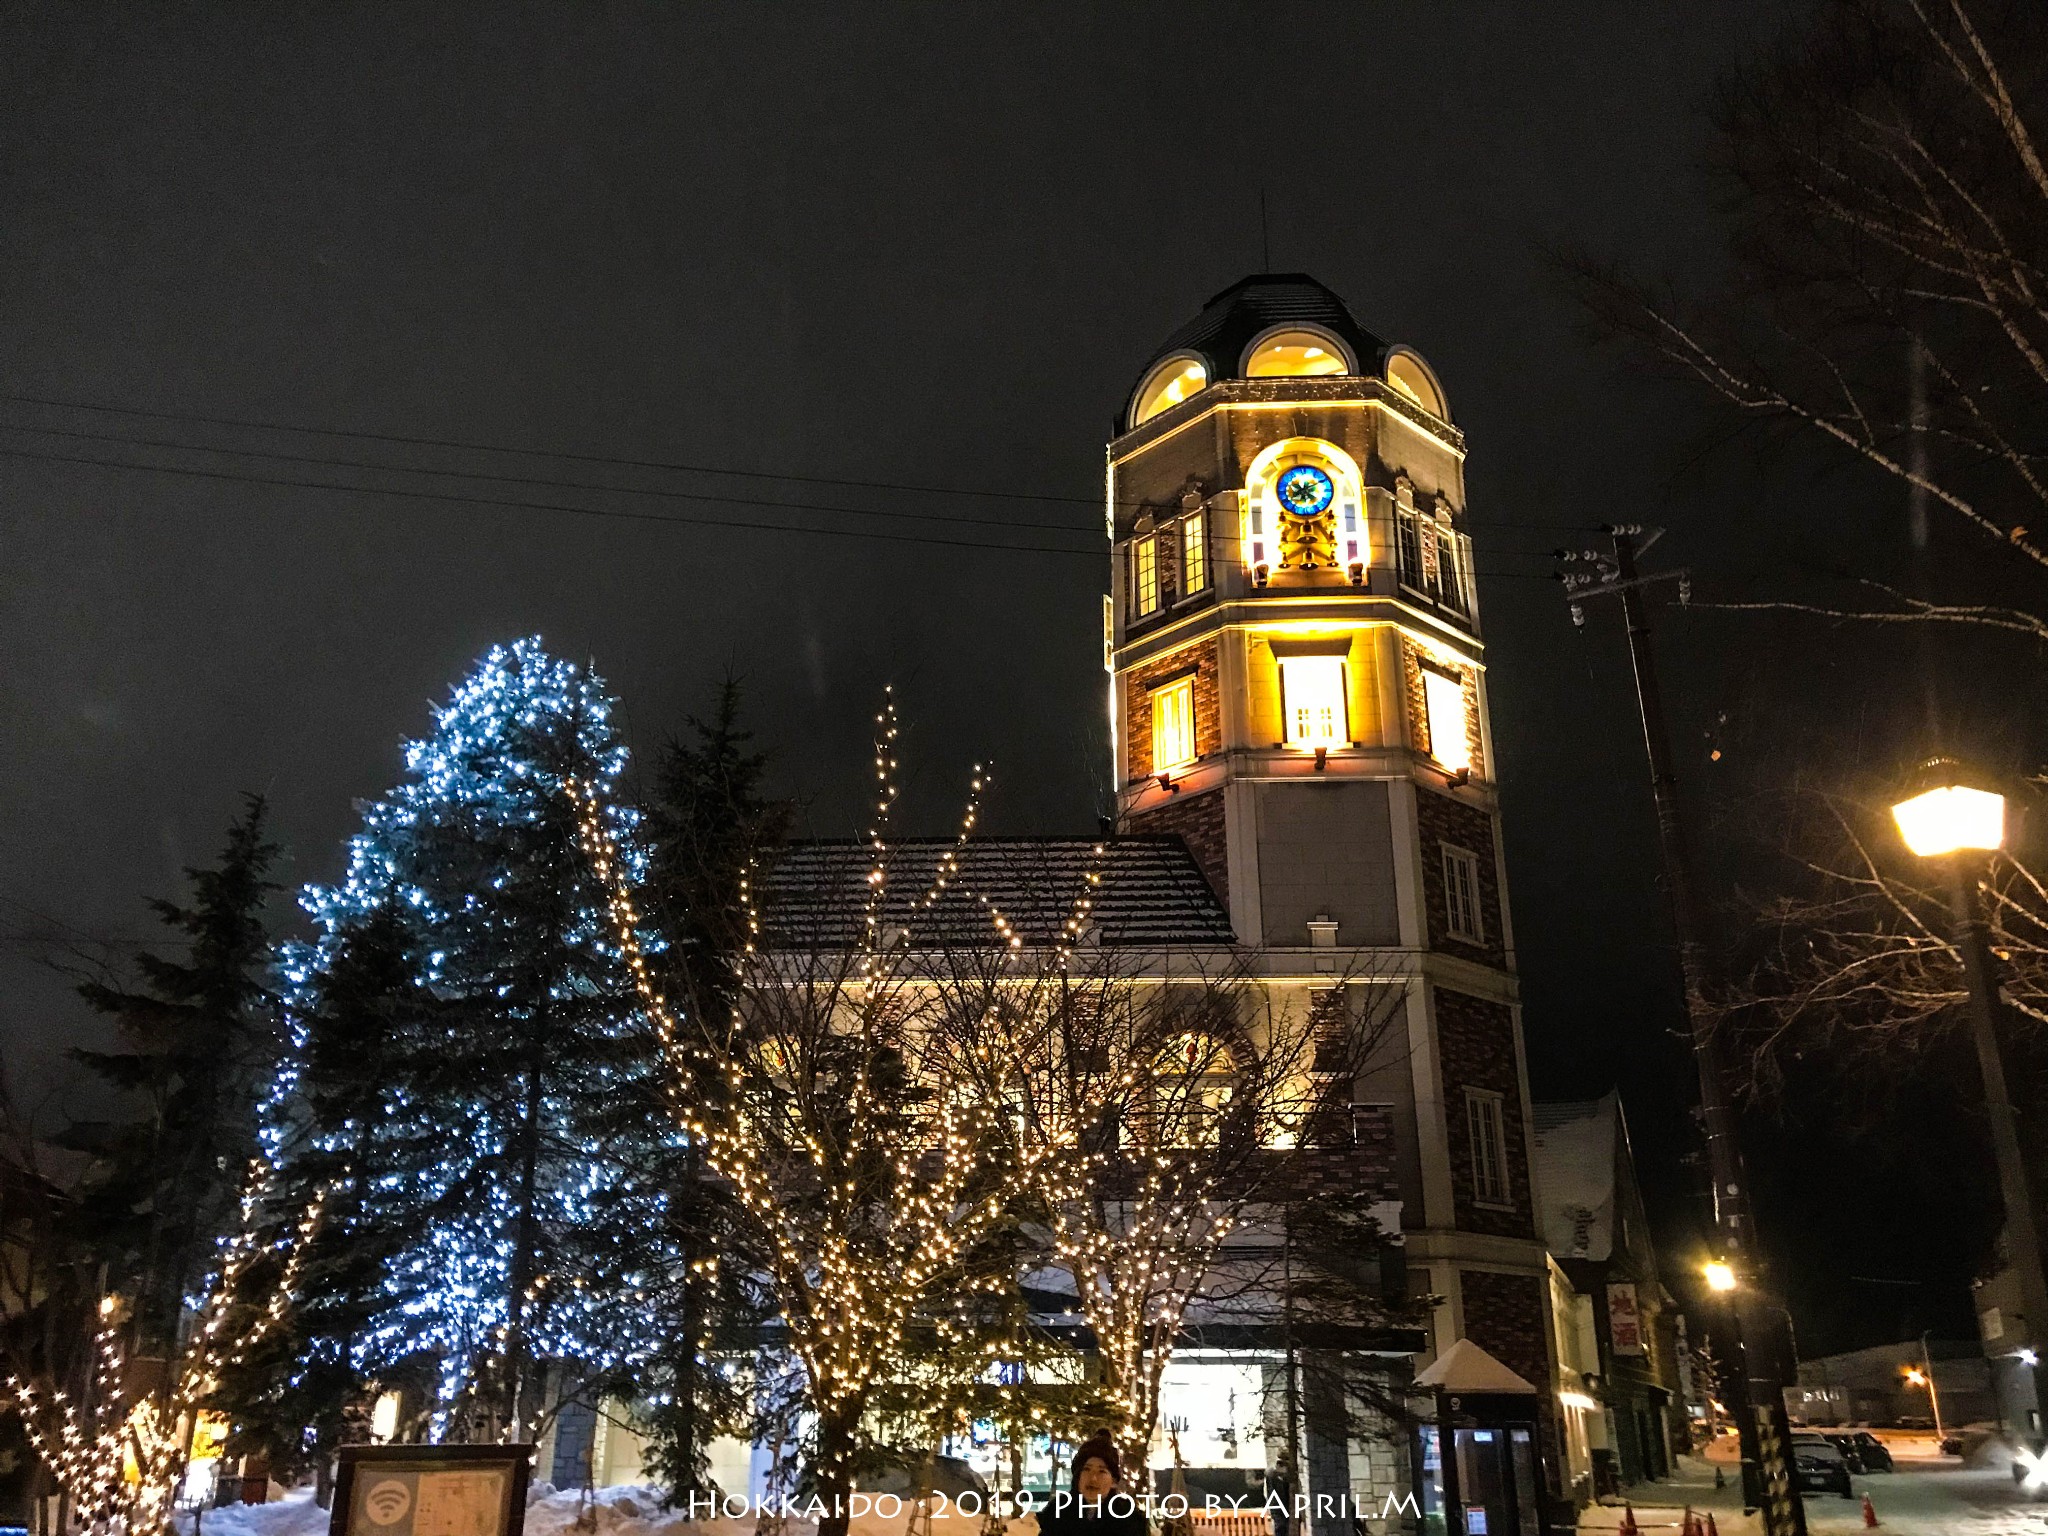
[817,1095]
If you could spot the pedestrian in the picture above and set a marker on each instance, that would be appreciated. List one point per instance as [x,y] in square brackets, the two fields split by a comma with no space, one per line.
[1097,1504]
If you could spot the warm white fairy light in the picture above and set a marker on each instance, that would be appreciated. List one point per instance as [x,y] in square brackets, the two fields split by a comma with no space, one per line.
[88,1452]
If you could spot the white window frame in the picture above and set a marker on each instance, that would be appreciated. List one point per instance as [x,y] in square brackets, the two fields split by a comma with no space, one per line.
[1486,1128]
[1463,916]
[1294,714]
[1194,553]
[1179,696]
[1145,575]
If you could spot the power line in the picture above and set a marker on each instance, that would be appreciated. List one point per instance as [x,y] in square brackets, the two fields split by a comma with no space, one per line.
[536,480]
[614,513]
[617,461]
[617,513]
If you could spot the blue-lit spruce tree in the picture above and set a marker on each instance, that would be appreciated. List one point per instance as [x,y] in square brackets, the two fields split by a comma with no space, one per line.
[500,1181]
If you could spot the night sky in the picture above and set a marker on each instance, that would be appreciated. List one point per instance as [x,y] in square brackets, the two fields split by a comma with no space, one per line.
[922,247]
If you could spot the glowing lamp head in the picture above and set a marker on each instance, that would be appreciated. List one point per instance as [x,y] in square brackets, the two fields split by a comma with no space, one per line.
[106,1306]
[1949,815]
[1915,1376]
[1719,1276]
[2028,1357]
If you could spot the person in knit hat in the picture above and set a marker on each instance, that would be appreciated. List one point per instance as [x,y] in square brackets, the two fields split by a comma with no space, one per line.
[1097,1503]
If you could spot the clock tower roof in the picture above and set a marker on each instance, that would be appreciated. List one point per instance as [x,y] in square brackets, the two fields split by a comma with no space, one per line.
[1252,307]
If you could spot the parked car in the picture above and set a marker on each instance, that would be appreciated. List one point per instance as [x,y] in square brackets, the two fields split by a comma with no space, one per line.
[1861,1449]
[1818,1466]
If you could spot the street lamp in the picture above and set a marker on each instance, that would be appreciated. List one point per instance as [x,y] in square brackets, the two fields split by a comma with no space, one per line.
[1719,1276]
[1961,824]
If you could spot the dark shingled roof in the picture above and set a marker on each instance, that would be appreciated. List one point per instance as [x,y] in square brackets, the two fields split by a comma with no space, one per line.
[1228,322]
[1151,893]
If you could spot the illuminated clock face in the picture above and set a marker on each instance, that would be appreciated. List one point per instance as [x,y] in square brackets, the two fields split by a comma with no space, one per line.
[1305,490]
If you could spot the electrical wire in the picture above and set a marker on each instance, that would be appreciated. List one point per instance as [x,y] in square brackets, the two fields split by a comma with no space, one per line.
[56,402]
[614,513]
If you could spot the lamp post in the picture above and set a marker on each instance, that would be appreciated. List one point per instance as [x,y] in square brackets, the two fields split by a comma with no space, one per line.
[1922,1375]
[1960,825]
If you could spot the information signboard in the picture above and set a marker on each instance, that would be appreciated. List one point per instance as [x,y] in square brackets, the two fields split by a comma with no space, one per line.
[431,1490]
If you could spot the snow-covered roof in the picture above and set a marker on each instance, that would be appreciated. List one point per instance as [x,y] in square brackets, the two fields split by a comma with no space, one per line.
[1465,1367]
[1576,1151]
[1139,891]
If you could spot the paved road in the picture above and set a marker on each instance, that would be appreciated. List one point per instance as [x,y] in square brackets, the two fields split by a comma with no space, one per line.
[1915,1501]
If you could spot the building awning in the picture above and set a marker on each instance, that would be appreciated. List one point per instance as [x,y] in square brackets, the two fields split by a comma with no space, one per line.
[1468,1370]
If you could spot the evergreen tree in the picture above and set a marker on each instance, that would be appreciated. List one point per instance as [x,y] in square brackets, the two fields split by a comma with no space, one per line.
[509,1075]
[359,1018]
[709,829]
[198,1041]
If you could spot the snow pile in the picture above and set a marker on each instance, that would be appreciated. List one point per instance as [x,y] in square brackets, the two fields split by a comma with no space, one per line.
[293,1515]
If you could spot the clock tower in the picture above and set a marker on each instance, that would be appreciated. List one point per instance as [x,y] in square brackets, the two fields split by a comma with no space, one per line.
[1299,692]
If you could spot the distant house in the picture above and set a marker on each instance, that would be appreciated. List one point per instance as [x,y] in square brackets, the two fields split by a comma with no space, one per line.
[1627,1412]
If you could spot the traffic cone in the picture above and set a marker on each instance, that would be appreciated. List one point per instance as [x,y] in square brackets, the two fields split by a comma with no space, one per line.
[1690,1525]
[1628,1521]
[1711,1529]
[1869,1514]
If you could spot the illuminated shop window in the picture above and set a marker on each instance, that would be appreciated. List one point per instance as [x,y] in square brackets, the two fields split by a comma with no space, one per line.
[1145,575]
[1296,355]
[1166,386]
[1407,374]
[1449,721]
[1312,688]
[1173,725]
[1461,895]
[1194,552]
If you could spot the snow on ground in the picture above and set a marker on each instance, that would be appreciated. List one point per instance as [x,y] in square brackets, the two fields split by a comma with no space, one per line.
[622,1511]
[1928,1496]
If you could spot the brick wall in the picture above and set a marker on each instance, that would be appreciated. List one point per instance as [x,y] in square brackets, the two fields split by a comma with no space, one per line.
[1138,685]
[1476,1046]
[1442,820]
[1198,819]
[1504,1317]
[1418,707]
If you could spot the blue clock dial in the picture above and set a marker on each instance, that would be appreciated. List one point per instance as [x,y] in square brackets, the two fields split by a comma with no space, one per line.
[1305,490]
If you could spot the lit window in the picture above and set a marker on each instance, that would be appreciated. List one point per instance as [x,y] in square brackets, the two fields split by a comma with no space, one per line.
[1173,725]
[1145,575]
[1484,1124]
[1407,374]
[1461,896]
[1166,386]
[1312,688]
[1449,724]
[1296,355]
[1194,552]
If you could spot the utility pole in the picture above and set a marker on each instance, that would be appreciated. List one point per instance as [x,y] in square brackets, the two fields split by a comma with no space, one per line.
[1759,1369]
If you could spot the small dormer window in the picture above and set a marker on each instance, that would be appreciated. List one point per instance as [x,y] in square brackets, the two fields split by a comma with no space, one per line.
[1167,385]
[1298,354]
[1411,377]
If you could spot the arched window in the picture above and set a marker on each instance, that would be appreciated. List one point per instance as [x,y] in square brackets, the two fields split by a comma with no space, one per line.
[1167,385]
[1303,510]
[1412,377]
[1297,354]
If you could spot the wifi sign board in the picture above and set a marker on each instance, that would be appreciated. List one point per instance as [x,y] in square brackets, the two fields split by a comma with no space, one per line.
[431,1490]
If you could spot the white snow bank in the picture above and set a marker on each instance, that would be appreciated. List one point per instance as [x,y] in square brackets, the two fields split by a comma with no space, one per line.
[293,1515]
